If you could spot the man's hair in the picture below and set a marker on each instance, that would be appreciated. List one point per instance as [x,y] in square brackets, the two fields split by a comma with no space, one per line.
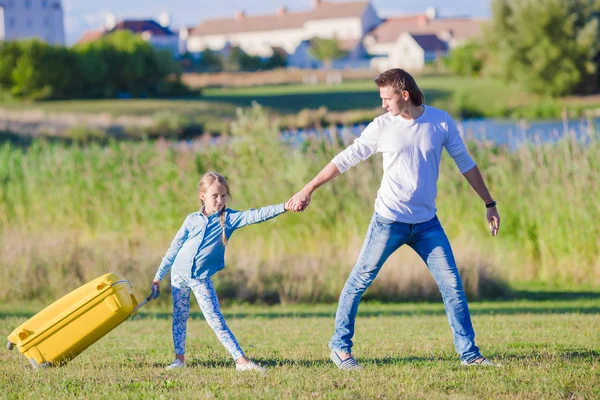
[399,80]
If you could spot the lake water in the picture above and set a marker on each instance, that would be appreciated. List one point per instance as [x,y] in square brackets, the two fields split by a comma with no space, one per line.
[510,133]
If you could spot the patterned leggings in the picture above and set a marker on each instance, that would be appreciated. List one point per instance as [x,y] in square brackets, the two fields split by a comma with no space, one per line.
[209,304]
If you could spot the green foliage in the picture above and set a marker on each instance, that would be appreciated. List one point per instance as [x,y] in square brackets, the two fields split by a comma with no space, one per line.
[239,60]
[42,71]
[210,61]
[69,211]
[122,62]
[467,59]
[277,60]
[326,50]
[548,46]
[117,63]
[10,52]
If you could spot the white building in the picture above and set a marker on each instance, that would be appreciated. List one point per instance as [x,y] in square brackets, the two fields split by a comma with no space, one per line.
[412,41]
[258,34]
[24,19]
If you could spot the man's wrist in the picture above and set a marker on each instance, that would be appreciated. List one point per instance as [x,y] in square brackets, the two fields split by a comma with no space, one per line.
[309,188]
[490,204]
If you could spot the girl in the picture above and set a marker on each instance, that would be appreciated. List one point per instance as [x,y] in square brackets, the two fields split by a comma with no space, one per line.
[196,253]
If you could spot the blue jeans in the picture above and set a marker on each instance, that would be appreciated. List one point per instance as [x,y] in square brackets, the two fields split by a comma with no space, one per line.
[429,240]
[209,304]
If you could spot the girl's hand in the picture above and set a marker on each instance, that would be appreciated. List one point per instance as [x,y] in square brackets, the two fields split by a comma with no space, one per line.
[156,283]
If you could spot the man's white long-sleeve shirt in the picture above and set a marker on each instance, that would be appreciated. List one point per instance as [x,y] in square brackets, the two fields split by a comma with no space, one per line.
[412,151]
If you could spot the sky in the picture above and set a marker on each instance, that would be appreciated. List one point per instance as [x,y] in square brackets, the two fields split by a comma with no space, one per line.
[83,15]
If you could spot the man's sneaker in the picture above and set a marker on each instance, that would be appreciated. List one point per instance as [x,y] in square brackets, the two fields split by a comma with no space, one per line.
[176,364]
[349,364]
[251,366]
[480,362]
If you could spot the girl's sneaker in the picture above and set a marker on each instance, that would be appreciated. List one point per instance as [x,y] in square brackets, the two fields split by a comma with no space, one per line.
[176,364]
[249,367]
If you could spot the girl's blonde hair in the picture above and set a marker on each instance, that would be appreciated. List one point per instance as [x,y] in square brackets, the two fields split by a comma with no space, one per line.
[208,179]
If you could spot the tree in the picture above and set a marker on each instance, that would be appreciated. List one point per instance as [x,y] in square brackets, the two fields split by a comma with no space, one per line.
[278,59]
[548,46]
[210,61]
[326,50]
[466,59]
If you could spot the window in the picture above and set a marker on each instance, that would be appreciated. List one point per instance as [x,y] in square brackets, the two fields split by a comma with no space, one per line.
[29,22]
[44,3]
[46,21]
[27,3]
[11,22]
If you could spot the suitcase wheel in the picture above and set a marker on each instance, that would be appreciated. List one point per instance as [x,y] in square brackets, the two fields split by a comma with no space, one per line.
[10,345]
[35,365]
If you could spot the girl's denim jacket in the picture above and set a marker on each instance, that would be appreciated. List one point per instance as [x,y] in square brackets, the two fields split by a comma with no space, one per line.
[197,251]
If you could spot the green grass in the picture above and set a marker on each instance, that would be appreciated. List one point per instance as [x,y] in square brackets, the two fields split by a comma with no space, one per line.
[348,103]
[547,349]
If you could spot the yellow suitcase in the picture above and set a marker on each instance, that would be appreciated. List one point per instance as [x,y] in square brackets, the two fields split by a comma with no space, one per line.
[71,324]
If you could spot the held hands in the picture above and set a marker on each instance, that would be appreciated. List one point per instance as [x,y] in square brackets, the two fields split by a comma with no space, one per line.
[493,220]
[299,201]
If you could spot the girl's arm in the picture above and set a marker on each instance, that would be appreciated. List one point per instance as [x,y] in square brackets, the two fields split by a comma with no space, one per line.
[239,219]
[169,257]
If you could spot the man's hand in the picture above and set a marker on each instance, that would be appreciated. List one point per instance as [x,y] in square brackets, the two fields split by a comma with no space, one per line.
[156,284]
[299,201]
[493,220]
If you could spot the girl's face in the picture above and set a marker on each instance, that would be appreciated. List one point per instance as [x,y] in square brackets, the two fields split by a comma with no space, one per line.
[214,198]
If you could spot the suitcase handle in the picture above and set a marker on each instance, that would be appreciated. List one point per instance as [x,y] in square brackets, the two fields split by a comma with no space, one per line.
[152,296]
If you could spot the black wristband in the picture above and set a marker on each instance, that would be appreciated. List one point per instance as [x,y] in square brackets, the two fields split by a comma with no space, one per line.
[491,204]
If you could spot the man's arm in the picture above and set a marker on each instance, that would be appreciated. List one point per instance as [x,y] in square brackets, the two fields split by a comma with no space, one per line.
[473,176]
[301,200]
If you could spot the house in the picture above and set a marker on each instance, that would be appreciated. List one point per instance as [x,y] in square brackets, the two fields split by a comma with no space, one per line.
[24,19]
[257,35]
[356,56]
[408,42]
[157,34]
[411,52]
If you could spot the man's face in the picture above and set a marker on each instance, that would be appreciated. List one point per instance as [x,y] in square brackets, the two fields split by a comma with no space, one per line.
[393,102]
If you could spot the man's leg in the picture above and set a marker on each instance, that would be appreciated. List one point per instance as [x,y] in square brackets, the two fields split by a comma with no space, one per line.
[431,243]
[383,238]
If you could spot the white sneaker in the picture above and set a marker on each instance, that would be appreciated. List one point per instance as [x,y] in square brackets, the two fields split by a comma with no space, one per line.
[176,364]
[249,367]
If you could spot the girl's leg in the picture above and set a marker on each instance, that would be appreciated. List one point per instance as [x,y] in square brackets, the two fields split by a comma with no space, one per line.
[209,304]
[181,312]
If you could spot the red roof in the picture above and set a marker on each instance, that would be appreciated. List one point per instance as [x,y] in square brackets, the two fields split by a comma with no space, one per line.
[90,36]
[460,28]
[280,20]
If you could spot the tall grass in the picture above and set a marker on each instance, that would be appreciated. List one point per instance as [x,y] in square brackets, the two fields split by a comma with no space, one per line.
[70,213]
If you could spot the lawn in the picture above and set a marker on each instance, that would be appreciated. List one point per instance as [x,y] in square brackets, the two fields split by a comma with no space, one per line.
[548,349]
[463,97]
[351,95]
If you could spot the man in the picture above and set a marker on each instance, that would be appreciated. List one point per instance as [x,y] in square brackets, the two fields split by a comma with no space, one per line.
[411,137]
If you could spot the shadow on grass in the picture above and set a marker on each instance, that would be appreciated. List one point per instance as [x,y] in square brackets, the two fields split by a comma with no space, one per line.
[532,357]
[331,315]
[552,295]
